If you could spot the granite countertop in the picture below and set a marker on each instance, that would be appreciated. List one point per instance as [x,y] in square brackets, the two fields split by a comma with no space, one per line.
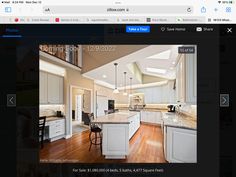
[154,109]
[181,121]
[116,118]
[146,109]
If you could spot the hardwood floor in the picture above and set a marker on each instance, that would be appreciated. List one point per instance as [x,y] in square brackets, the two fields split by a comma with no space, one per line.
[146,146]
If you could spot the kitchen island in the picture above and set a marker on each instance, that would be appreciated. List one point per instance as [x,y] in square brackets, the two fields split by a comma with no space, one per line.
[117,129]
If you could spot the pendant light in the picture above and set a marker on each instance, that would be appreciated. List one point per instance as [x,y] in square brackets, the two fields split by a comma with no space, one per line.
[130,92]
[125,92]
[116,90]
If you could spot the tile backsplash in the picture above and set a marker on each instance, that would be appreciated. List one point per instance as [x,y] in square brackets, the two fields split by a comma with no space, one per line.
[51,110]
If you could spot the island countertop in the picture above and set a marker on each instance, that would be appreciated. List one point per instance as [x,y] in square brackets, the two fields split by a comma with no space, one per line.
[116,118]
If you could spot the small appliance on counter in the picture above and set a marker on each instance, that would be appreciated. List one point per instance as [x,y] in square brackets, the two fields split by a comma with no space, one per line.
[171,108]
[59,114]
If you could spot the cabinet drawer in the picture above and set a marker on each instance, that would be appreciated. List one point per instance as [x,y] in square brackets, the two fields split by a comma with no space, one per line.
[56,128]
[56,132]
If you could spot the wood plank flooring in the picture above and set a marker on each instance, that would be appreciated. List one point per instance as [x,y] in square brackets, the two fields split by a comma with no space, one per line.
[146,146]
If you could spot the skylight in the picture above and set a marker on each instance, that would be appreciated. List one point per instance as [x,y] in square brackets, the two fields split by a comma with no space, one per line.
[161,56]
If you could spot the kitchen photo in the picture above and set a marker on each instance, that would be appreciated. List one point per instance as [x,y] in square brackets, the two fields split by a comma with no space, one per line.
[118,103]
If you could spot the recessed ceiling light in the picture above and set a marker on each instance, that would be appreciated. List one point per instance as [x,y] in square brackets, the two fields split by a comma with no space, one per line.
[104,76]
[173,62]
[155,70]
[162,56]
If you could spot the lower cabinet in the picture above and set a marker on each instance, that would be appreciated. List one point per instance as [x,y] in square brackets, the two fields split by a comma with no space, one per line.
[180,145]
[134,124]
[56,129]
[115,141]
[151,117]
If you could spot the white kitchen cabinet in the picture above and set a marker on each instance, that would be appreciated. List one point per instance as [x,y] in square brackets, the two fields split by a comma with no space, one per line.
[56,129]
[43,84]
[51,88]
[181,145]
[186,79]
[115,141]
[164,139]
[134,125]
[159,94]
[151,117]
[180,79]
[191,78]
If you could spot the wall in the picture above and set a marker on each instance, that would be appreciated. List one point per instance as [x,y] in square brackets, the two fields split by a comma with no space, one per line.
[72,77]
[104,91]
[87,101]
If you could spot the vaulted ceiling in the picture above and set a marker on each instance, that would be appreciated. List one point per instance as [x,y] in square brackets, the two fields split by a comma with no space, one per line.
[145,64]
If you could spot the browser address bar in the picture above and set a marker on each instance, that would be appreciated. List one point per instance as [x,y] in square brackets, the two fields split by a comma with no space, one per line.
[117,9]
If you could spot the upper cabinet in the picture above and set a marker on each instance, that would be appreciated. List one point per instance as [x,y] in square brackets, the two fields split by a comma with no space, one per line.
[43,81]
[159,94]
[51,88]
[186,79]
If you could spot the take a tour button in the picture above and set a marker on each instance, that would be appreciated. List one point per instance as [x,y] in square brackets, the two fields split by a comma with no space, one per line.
[138,29]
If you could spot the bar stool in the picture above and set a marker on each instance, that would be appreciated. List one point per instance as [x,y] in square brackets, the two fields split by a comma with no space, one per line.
[42,121]
[94,128]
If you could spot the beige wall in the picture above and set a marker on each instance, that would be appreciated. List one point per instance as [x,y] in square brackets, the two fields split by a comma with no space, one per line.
[103,91]
[87,101]
[108,92]
[72,77]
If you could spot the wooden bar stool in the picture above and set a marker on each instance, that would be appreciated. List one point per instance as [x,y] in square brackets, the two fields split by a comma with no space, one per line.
[94,128]
[42,121]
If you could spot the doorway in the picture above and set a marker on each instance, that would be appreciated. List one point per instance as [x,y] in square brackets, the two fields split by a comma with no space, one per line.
[81,102]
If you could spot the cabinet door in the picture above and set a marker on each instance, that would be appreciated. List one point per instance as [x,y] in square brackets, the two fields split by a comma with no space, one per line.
[181,145]
[43,88]
[191,78]
[180,79]
[157,95]
[53,89]
[147,95]
[61,88]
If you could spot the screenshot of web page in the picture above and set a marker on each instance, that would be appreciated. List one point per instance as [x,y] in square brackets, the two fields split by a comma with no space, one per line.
[117,88]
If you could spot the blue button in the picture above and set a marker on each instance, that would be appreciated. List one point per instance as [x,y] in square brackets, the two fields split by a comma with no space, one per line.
[137,29]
